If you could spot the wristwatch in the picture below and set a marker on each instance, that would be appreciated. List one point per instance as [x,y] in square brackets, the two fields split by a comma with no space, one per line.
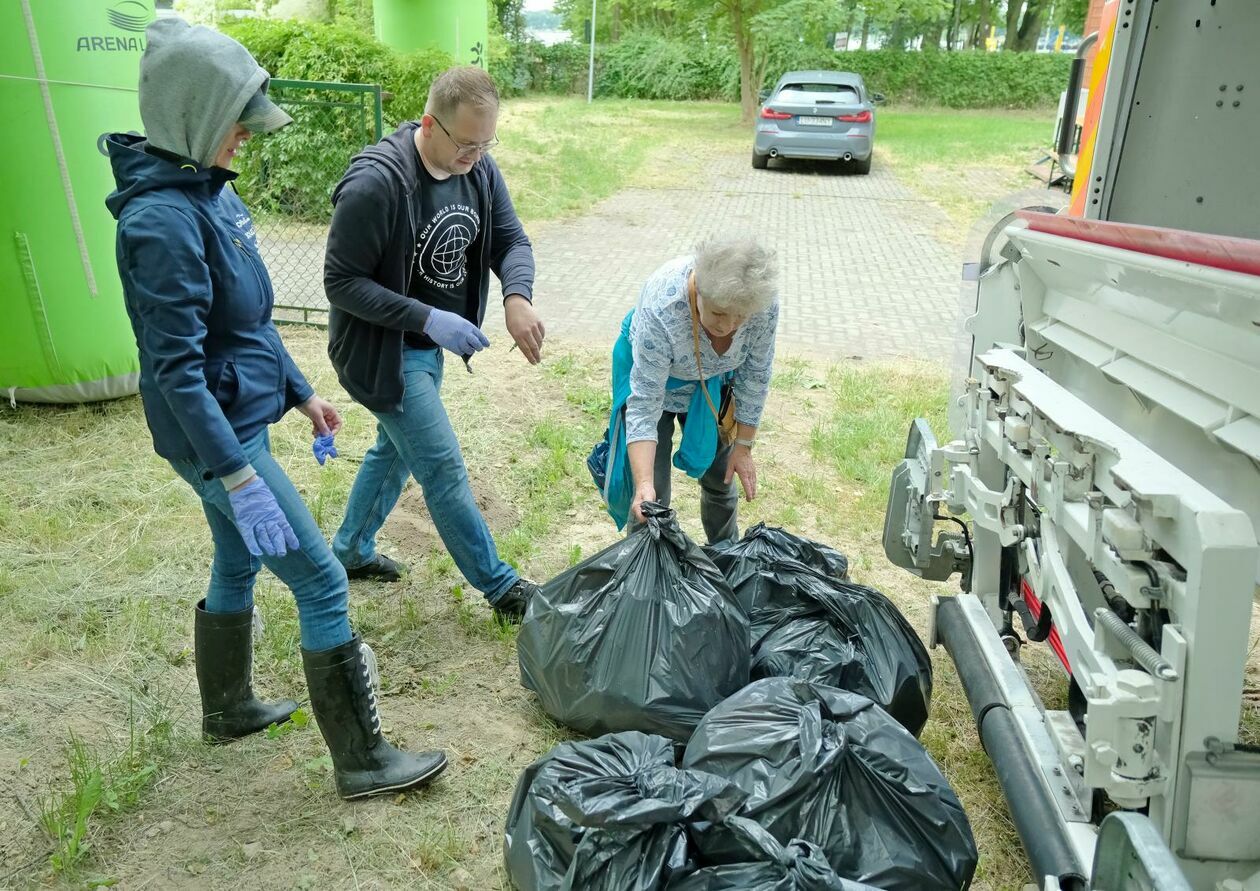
[746,443]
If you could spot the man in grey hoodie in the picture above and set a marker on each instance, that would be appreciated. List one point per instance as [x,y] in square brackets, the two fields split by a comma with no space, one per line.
[420,221]
[214,375]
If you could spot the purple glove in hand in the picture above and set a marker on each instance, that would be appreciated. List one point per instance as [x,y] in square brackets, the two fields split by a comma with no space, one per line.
[261,521]
[455,333]
[324,448]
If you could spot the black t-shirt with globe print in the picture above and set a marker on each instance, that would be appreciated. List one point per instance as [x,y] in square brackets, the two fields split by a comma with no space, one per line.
[448,225]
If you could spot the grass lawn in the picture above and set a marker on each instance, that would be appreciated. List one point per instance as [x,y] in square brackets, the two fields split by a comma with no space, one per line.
[964,160]
[103,553]
[563,155]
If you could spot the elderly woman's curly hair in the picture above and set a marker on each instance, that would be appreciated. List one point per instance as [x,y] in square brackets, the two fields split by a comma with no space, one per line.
[736,275]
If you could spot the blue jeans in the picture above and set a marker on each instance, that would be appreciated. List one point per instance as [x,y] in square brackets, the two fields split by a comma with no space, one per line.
[418,440]
[317,580]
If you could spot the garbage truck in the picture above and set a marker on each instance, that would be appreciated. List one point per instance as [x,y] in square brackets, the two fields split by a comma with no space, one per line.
[1099,491]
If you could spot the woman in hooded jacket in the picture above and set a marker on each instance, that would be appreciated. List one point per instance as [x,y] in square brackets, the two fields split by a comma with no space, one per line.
[214,375]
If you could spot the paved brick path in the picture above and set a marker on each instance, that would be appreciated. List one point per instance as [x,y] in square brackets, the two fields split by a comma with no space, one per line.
[862,273]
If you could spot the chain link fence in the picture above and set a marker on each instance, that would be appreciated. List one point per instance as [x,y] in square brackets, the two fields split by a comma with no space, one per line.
[286,180]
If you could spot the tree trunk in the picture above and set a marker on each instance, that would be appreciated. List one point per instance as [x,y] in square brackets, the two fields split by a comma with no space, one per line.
[897,39]
[932,37]
[866,30]
[1025,39]
[983,27]
[1013,10]
[744,45]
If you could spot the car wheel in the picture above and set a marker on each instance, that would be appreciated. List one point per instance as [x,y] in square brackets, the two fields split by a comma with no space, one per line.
[862,167]
[760,162]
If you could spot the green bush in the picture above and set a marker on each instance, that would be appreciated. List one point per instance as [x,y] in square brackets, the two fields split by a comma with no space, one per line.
[507,63]
[344,54]
[267,40]
[560,68]
[415,73]
[293,172]
[970,79]
[650,66]
[647,66]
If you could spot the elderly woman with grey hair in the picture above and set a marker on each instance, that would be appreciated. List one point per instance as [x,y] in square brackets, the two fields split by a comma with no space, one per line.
[695,352]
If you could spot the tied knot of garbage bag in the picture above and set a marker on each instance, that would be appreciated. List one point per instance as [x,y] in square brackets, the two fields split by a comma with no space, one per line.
[764,545]
[662,523]
[832,767]
[652,795]
[762,863]
[609,813]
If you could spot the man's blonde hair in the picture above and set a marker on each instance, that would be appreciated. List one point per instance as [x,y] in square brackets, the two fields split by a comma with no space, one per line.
[466,85]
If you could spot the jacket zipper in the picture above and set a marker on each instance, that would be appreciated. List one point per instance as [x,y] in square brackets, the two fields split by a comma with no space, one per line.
[283,376]
[411,225]
[262,291]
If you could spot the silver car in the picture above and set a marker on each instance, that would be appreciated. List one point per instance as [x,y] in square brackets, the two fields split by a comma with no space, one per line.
[825,115]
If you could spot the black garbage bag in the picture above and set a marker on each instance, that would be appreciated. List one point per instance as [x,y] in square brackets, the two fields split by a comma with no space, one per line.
[832,767]
[840,634]
[645,635]
[768,866]
[764,545]
[609,813]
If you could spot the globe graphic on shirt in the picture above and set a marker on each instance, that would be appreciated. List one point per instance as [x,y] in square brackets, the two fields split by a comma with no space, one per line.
[449,249]
[444,247]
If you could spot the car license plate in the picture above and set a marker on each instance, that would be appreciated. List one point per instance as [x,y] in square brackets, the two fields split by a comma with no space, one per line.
[808,121]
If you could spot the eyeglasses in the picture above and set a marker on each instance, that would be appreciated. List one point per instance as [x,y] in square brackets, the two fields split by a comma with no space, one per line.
[466,148]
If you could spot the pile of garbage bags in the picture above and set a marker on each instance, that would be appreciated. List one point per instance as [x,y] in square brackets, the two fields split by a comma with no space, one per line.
[809,621]
[756,714]
[786,785]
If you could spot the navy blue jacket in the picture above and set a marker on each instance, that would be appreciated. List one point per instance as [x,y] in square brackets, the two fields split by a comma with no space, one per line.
[371,254]
[213,370]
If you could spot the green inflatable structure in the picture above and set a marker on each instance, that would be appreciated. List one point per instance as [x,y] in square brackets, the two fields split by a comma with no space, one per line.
[461,27]
[68,74]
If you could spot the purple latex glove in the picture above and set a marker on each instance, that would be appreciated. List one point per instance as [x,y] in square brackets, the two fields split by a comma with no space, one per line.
[455,333]
[260,520]
[324,448]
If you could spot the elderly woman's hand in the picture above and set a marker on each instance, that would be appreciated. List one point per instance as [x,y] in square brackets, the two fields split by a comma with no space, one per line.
[741,462]
[643,492]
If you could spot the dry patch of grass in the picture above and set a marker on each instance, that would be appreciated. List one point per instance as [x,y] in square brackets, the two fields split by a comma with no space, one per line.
[966,161]
[103,552]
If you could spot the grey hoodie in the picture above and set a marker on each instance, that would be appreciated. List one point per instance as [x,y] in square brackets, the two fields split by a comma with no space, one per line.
[194,83]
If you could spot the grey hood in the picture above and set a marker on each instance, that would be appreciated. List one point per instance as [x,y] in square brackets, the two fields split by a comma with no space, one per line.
[194,83]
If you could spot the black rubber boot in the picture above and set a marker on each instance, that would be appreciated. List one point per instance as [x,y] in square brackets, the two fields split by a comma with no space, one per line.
[380,568]
[224,645]
[344,703]
[512,603]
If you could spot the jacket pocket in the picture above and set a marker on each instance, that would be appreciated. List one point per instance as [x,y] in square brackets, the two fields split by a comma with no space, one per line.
[223,382]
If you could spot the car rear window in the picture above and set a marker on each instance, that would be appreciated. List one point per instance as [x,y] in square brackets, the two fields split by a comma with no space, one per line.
[839,92]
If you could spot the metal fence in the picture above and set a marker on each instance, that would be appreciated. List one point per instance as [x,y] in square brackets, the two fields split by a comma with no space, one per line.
[287,178]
